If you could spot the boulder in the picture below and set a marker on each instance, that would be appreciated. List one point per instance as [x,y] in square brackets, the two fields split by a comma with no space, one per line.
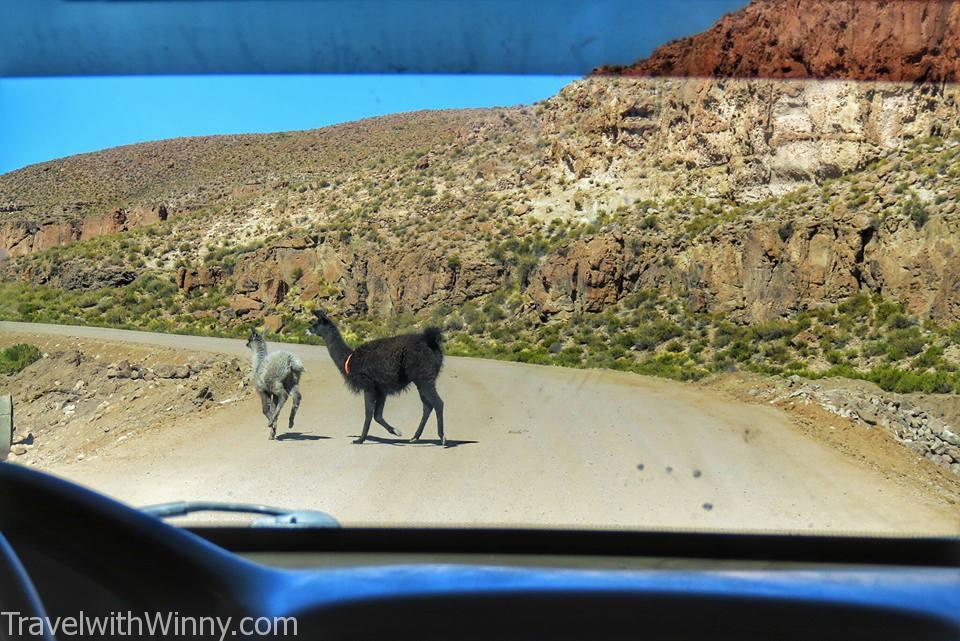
[172,371]
[82,275]
[191,279]
[274,323]
[122,369]
[272,292]
[244,305]
[310,292]
[584,276]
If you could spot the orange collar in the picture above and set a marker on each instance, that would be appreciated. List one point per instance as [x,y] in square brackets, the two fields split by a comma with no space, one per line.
[346,364]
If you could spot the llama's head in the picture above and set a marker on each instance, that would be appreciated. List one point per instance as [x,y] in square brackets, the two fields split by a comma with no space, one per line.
[322,325]
[255,339]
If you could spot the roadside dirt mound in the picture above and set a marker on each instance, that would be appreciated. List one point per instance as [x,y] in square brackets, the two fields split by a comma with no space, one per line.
[891,433]
[84,395]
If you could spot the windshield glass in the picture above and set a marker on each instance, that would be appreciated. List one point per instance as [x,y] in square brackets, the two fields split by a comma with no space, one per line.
[715,289]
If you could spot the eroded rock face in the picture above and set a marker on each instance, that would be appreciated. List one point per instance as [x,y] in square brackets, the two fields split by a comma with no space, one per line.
[202,277]
[585,276]
[899,40]
[753,270]
[21,235]
[750,271]
[410,282]
[365,280]
[75,275]
[619,140]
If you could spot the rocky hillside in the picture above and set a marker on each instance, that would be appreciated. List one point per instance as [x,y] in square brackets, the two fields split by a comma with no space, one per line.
[677,221]
[899,40]
[91,195]
[764,197]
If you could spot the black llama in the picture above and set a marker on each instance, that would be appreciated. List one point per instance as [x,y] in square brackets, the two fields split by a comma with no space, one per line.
[386,366]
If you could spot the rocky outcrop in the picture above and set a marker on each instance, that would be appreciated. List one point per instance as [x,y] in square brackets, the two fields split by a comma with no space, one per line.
[757,269]
[274,323]
[616,141]
[899,40]
[23,235]
[245,306]
[586,276]
[751,272]
[76,275]
[409,282]
[79,275]
[202,277]
[367,279]
[914,427]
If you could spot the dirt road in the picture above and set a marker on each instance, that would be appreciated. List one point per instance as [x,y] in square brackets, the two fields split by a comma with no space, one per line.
[530,446]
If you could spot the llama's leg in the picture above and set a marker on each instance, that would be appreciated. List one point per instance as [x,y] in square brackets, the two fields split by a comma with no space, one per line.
[437,402]
[379,402]
[295,399]
[369,402]
[266,402]
[281,400]
[427,409]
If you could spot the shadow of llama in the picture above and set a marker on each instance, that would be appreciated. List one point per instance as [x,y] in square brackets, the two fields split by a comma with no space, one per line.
[387,366]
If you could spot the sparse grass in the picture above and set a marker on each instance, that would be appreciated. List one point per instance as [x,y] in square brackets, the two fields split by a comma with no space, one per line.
[16,358]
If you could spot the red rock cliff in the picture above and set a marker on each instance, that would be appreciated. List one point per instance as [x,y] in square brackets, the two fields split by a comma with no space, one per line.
[893,40]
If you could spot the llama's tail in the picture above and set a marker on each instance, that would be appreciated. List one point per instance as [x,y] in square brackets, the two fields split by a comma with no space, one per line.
[434,338]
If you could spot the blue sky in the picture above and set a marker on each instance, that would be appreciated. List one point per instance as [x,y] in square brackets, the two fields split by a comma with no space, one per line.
[46,118]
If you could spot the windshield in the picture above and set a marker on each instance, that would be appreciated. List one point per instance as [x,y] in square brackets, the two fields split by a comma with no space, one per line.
[715,288]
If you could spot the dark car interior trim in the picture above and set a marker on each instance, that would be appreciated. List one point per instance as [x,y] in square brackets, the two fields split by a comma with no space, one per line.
[854,549]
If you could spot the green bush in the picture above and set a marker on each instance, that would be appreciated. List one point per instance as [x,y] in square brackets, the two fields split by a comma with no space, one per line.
[904,342]
[886,309]
[932,357]
[774,330]
[900,321]
[569,357]
[650,335]
[726,333]
[786,231]
[858,306]
[17,357]
[916,212]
